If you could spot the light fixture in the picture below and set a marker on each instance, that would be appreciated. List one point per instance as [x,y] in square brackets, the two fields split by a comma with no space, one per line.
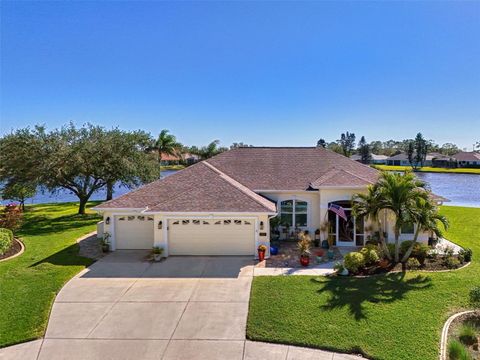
[160,225]
[107,220]
[261,225]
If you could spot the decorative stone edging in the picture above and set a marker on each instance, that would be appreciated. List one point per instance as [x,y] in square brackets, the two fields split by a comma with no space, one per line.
[22,250]
[446,327]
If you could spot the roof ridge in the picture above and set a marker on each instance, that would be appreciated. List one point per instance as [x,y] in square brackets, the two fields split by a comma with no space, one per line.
[250,193]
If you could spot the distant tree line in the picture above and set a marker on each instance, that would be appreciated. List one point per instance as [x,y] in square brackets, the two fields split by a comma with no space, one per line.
[417,147]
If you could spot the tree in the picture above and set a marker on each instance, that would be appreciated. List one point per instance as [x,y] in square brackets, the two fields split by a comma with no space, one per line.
[166,144]
[364,151]
[421,149]
[476,147]
[321,143]
[377,148]
[212,149]
[449,149]
[411,154]
[239,145]
[19,192]
[347,143]
[427,219]
[130,161]
[80,160]
[398,195]
[369,206]
[335,147]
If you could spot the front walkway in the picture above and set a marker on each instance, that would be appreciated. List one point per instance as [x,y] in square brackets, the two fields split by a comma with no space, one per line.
[124,307]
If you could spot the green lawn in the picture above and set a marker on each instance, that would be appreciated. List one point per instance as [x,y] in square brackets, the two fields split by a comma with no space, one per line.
[429,169]
[385,317]
[29,283]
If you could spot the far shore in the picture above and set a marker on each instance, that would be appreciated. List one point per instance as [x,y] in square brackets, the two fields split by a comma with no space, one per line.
[473,171]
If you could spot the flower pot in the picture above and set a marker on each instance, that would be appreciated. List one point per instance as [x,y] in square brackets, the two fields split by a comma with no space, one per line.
[157,257]
[106,248]
[344,272]
[330,254]
[273,250]
[319,259]
[304,260]
[384,263]
[261,255]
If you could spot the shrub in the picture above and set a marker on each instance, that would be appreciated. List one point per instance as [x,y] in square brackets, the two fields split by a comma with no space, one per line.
[354,261]
[456,351]
[370,254]
[467,334]
[451,262]
[404,246]
[475,296]
[419,251]
[6,240]
[465,255]
[11,217]
[413,263]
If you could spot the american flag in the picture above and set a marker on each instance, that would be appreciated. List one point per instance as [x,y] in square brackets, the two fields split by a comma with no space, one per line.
[337,209]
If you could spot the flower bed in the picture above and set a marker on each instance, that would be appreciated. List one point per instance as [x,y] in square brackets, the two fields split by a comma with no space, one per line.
[464,337]
[14,249]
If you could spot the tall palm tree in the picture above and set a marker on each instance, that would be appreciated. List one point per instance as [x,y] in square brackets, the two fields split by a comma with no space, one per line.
[368,205]
[165,144]
[427,219]
[398,194]
[212,149]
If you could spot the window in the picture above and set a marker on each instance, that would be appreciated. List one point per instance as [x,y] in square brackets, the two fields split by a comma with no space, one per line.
[185,222]
[407,228]
[141,218]
[294,213]
[196,222]
[131,218]
[206,222]
[227,222]
[237,222]
[149,218]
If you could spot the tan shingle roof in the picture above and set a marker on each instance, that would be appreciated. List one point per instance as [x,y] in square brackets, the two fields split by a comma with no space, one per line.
[198,188]
[226,182]
[286,168]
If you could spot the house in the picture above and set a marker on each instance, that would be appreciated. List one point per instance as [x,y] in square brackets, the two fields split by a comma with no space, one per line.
[467,159]
[222,206]
[376,159]
[185,158]
[402,159]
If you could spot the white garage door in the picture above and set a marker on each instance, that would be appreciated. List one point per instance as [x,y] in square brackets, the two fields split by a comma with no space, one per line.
[211,237]
[134,232]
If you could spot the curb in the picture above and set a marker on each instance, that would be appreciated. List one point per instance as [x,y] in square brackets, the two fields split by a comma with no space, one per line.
[443,341]
[22,250]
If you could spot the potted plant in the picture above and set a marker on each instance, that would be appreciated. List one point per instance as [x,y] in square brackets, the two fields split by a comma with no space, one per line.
[319,256]
[106,242]
[157,253]
[274,225]
[316,240]
[340,269]
[304,245]
[261,252]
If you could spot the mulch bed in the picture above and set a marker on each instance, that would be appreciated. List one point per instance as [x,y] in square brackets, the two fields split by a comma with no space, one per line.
[430,264]
[472,318]
[288,256]
[14,249]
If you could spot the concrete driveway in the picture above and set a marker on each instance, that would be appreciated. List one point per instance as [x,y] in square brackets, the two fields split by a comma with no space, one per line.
[124,307]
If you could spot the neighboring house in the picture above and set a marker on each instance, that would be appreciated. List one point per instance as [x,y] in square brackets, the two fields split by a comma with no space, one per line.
[376,159]
[222,206]
[467,159]
[185,158]
[398,160]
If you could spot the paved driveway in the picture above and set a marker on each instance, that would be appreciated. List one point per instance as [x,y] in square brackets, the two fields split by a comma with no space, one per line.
[124,307]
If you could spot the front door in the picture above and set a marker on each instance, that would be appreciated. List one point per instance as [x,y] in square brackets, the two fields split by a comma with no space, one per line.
[348,232]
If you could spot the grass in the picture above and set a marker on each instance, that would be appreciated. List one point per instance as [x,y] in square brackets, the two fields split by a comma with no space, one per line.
[429,169]
[29,283]
[396,316]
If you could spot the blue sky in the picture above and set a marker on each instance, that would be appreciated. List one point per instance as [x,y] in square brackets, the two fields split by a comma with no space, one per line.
[265,73]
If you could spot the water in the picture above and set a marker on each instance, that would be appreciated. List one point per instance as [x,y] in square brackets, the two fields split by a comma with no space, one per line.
[460,189]
[66,196]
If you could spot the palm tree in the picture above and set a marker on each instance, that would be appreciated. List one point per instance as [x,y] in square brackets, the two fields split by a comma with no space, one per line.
[368,205]
[398,194]
[166,144]
[212,149]
[427,218]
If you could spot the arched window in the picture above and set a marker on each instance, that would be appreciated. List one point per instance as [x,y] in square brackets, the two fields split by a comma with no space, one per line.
[294,213]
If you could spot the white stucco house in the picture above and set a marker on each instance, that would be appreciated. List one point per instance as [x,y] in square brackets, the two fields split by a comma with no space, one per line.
[222,206]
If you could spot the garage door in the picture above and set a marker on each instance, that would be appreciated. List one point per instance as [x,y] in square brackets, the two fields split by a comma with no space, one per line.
[134,232]
[211,237]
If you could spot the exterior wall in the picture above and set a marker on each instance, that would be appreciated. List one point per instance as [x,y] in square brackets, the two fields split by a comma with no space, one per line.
[100,231]
[311,197]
